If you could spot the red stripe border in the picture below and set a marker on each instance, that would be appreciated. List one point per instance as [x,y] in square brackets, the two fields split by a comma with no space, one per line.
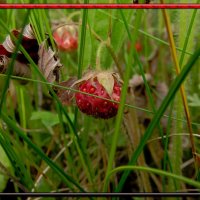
[100,6]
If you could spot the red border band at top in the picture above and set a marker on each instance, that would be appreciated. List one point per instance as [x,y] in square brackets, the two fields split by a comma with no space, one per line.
[101,6]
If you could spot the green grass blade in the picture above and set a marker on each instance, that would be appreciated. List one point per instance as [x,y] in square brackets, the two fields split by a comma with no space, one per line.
[147,34]
[55,167]
[188,36]
[122,101]
[127,105]
[82,40]
[81,51]
[11,65]
[155,171]
[19,168]
[166,156]
[172,91]
[82,153]
[141,70]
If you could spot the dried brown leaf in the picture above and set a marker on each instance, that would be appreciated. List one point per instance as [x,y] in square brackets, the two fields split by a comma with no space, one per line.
[8,44]
[19,69]
[162,90]
[48,63]
[28,32]
[3,63]
[65,95]
[197,158]
[137,80]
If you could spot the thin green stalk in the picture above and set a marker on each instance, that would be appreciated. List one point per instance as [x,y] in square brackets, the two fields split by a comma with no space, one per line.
[155,171]
[132,117]
[47,25]
[119,119]
[166,157]
[82,153]
[74,90]
[82,40]
[122,103]
[99,53]
[22,107]
[11,65]
[147,34]
[176,150]
[80,148]
[172,91]
[81,51]
[142,72]
[182,89]
[55,167]
[187,36]
[16,161]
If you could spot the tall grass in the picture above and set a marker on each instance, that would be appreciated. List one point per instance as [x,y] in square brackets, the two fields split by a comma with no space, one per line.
[53,147]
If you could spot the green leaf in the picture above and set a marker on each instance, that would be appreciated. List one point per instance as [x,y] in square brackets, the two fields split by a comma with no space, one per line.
[5,161]
[194,100]
[47,118]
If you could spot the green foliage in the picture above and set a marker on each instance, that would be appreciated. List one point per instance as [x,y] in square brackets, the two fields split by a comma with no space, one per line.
[48,146]
[48,118]
[194,99]
[107,27]
[6,163]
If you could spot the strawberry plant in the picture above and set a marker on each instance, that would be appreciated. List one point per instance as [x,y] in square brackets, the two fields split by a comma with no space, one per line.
[96,100]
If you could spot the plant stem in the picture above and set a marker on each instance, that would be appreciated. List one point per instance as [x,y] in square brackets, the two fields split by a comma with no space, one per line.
[177,67]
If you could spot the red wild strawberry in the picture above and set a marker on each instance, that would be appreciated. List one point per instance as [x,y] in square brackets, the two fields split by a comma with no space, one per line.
[138,46]
[106,85]
[66,38]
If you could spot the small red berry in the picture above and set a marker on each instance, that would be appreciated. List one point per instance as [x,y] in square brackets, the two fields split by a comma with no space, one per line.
[138,46]
[66,38]
[106,85]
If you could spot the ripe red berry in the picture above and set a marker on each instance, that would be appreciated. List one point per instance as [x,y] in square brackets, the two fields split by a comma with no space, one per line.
[102,84]
[138,46]
[66,38]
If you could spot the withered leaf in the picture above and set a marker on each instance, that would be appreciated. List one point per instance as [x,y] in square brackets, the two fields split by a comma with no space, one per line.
[137,80]
[3,63]
[28,42]
[28,32]
[48,63]
[19,69]
[197,159]
[8,44]
[66,96]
